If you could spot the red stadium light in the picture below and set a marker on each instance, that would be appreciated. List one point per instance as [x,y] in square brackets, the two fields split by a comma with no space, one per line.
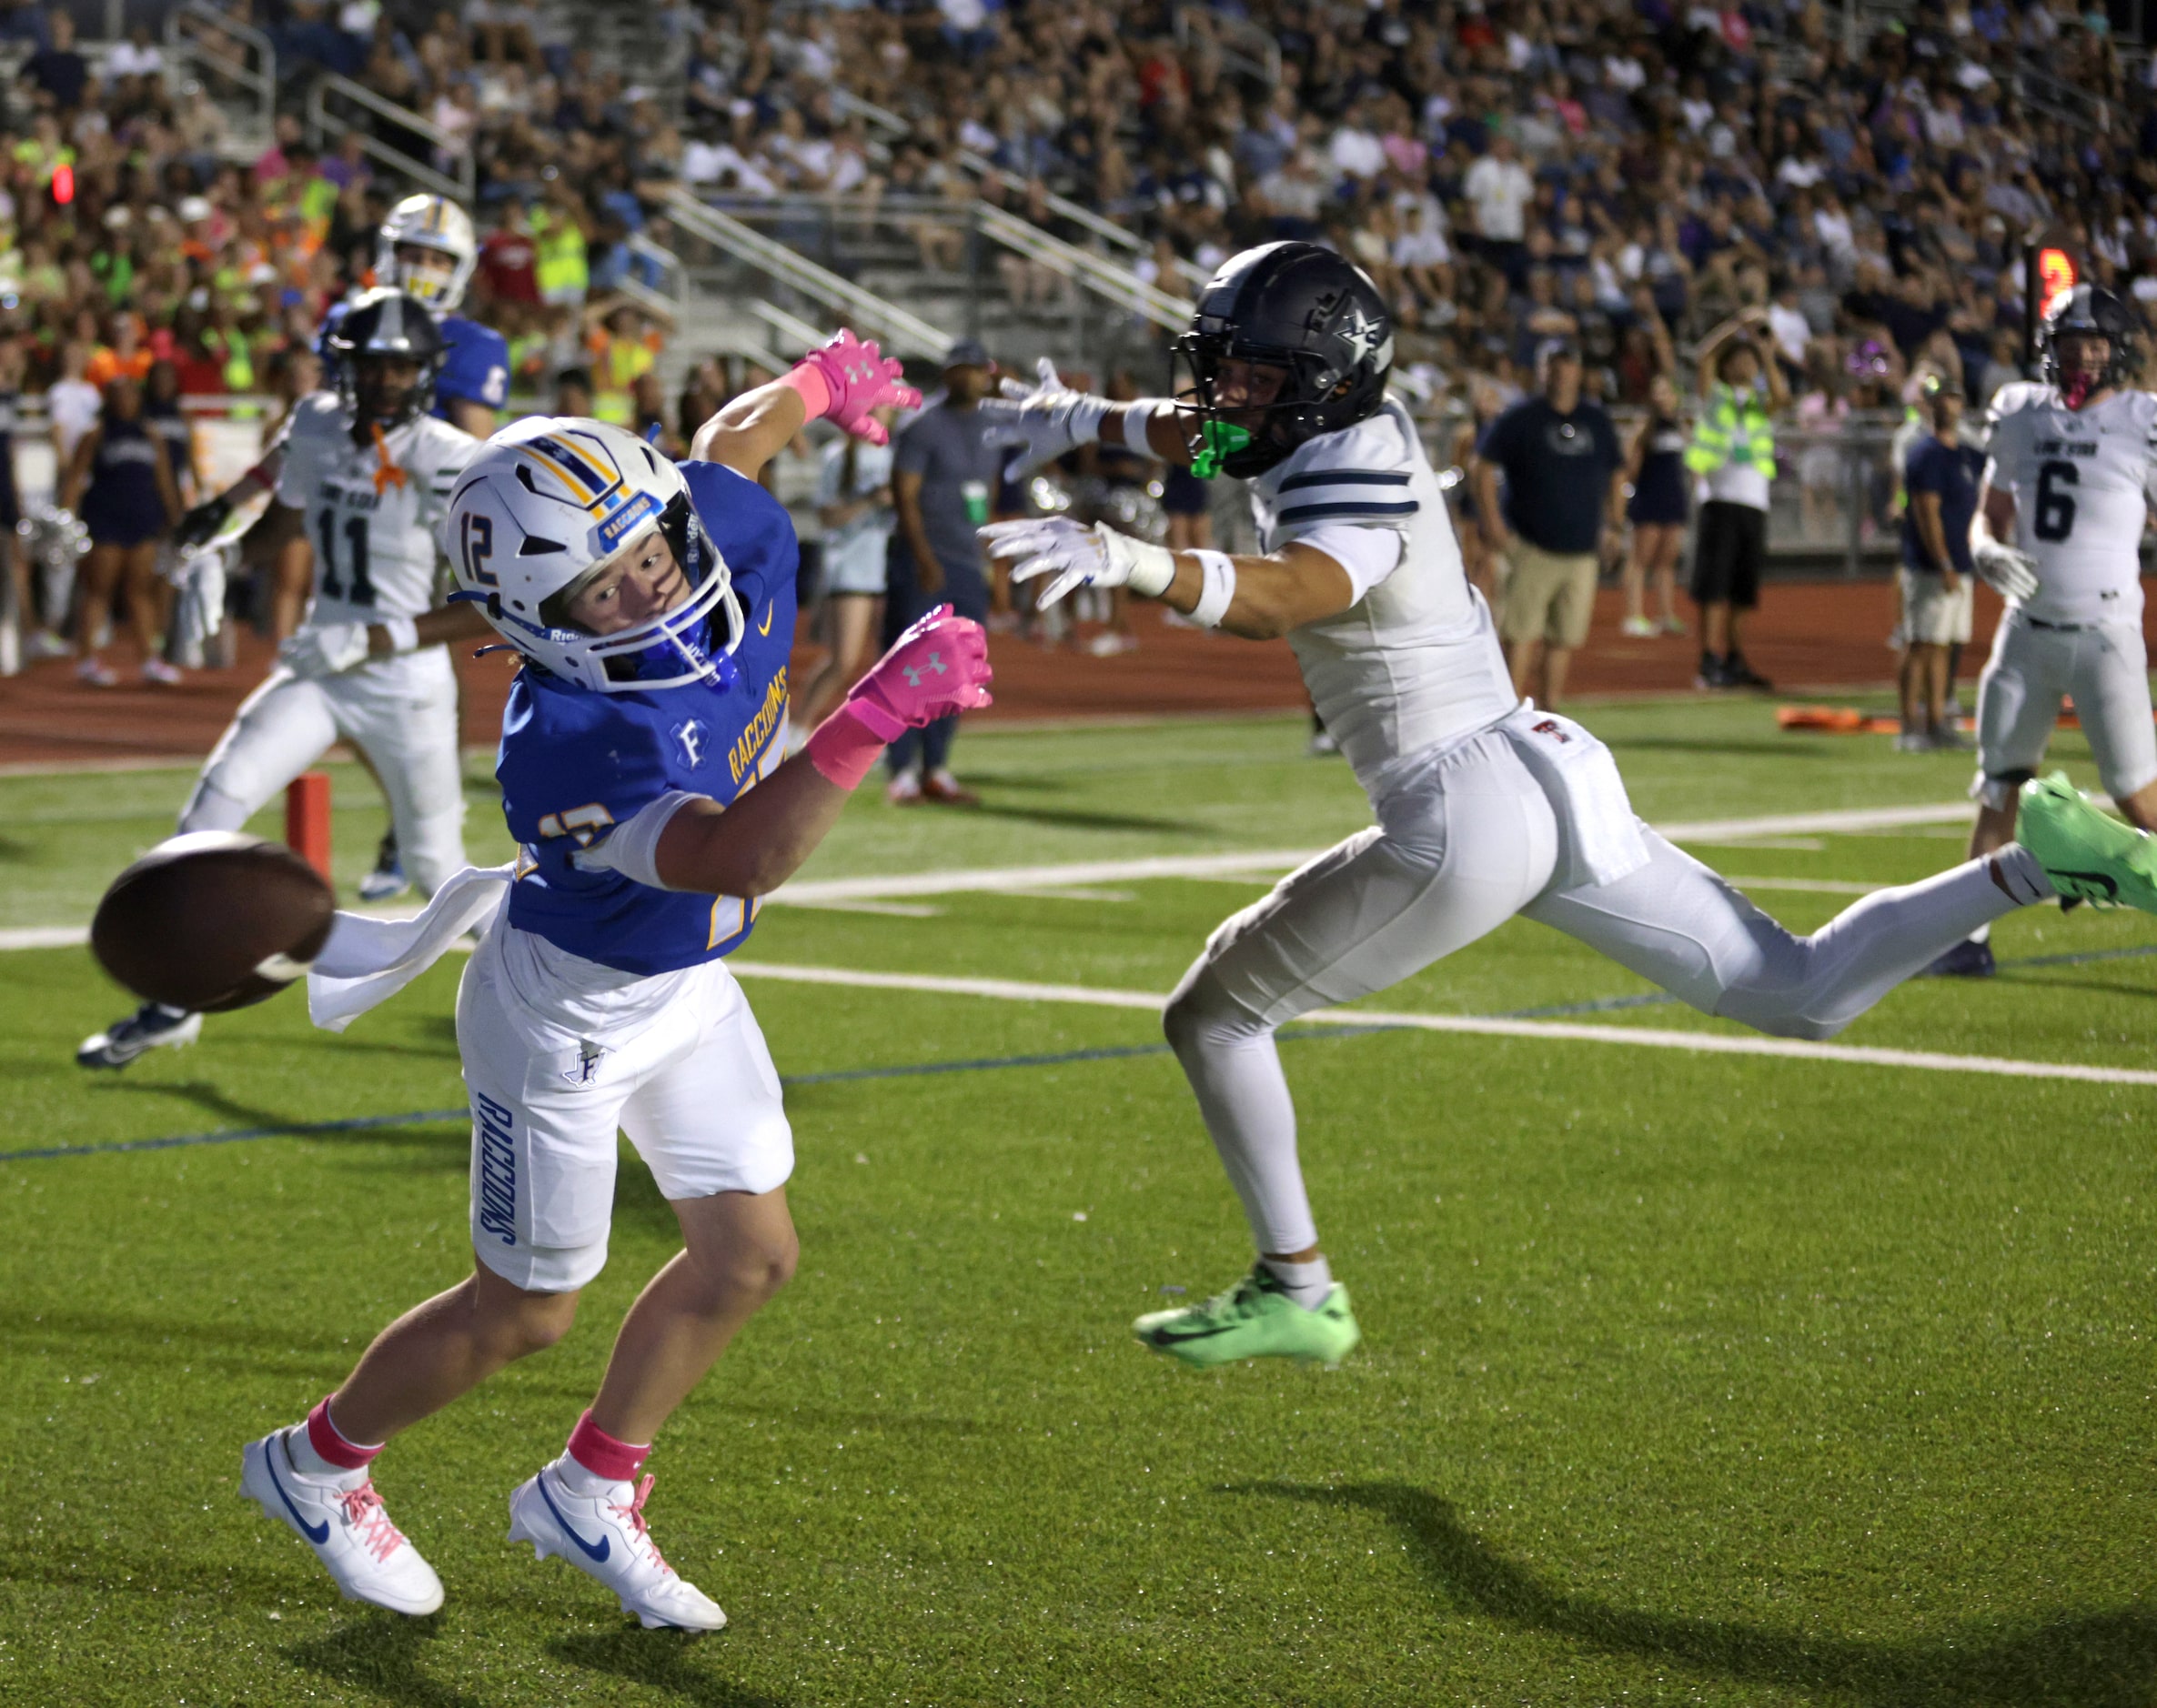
[2056,274]
[63,183]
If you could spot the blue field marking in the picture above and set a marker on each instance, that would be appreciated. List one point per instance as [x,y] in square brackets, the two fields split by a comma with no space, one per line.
[429,1117]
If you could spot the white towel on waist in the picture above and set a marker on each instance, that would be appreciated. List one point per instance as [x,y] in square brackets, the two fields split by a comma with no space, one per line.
[366,961]
[1599,838]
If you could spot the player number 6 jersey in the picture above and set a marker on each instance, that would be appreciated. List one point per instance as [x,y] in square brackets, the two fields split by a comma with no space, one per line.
[2082,481]
[371,510]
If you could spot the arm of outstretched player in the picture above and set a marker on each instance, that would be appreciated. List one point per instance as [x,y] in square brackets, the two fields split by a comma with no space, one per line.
[751,846]
[1259,598]
[1283,590]
[752,429]
[843,381]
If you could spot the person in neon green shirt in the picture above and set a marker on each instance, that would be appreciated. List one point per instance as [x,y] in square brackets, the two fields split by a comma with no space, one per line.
[1732,457]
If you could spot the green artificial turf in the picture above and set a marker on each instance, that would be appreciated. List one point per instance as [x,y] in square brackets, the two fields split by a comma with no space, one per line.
[1687,1378]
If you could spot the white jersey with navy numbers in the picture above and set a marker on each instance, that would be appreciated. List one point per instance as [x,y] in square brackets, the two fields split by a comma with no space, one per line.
[1416,660]
[369,510]
[2082,481]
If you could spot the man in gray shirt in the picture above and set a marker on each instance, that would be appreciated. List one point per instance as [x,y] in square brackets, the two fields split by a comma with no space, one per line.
[946,467]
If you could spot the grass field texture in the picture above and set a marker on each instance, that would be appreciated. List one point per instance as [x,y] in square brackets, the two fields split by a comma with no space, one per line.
[1688,1378]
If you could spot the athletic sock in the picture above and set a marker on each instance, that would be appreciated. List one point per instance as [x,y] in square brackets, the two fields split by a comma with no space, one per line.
[2022,877]
[1307,1283]
[319,1449]
[594,1461]
[168,1012]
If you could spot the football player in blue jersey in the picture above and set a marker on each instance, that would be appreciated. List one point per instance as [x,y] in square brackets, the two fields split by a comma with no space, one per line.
[642,777]
[427,249]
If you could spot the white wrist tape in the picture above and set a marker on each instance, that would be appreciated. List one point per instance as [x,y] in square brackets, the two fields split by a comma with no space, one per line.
[1219,591]
[404,634]
[1153,567]
[1138,418]
[632,849]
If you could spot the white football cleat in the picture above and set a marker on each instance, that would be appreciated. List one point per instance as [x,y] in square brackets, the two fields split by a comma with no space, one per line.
[605,1536]
[347,1528]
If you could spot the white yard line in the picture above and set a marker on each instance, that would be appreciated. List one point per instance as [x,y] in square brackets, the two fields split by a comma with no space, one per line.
[1565,1032]
[1253,867]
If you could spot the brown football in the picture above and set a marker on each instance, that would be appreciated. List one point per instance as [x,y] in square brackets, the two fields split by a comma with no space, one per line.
[211,920]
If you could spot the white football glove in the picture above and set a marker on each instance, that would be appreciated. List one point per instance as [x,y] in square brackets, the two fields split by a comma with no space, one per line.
[328,650]
[1044,420]
[2012,573]
[1080,557]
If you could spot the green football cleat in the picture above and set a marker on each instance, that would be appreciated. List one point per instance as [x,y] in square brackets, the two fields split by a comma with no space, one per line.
[1254,1318]
[2088,856]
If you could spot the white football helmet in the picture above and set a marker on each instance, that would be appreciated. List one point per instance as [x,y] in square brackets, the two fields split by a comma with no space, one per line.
[543,504]
[431,222]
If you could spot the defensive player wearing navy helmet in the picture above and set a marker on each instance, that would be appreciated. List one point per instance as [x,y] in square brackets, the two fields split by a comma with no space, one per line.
[1485,805]
[1300,309]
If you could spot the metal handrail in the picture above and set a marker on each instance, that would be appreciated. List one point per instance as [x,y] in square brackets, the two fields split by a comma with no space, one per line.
[1122,237]
[883,118]
[321,121]
[792,327]
[1259,55]
[865,308]
[263,80]
[1107,230]
[1095,273]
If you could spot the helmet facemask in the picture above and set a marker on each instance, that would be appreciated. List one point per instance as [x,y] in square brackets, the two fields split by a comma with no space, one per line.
[691,641]
[364,382]
[2085,361]
[435,276]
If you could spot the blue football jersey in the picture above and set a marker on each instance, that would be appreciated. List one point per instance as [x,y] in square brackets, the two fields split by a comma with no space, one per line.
[574,763]
[474,360]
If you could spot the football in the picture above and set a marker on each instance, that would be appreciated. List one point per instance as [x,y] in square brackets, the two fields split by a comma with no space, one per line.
[212,920]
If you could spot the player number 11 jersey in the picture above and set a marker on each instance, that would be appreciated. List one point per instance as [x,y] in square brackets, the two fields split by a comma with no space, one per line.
[370,509]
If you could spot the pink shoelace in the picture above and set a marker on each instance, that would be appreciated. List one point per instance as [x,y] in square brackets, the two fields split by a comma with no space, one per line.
[363,1511]
[634,1512]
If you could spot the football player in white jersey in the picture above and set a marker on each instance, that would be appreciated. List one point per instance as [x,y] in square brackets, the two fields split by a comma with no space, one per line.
[1486,807]
[366,475]
[427,249]
[2071,478]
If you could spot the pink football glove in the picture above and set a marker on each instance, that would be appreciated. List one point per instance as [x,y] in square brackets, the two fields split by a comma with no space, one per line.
[843,379]
[939,665]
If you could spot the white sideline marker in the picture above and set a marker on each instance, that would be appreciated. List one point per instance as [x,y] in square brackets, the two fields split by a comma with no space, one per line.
[1568,1031]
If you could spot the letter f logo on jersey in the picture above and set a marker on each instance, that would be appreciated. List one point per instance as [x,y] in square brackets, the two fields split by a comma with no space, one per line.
[691,737]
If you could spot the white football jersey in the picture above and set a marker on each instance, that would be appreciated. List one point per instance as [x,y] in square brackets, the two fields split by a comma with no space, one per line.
[2082,480]
[371,510]
[1416,660]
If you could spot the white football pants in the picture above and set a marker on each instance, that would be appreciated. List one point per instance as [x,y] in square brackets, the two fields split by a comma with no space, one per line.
[401,712]
[2105,667]
[1456,854]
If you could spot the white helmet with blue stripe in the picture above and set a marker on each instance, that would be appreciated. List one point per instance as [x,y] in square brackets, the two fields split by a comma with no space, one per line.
[544,506]
[428,222]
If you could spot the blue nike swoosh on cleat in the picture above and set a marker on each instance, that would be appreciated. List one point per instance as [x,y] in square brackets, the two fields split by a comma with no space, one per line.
[594,1554]
[316,1533]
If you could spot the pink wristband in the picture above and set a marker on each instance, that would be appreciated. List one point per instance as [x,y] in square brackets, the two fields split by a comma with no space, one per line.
[844,748]
[808,379]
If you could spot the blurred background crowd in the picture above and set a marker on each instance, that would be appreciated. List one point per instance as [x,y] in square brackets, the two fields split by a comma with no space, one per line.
[184,187]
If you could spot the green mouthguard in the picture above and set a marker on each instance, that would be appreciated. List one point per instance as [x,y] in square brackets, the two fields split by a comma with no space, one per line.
[1219,440]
